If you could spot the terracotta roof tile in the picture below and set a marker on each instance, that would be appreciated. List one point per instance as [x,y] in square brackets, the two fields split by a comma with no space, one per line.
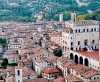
[51,70]
[90,73]
[71,78]
[59,79]
[38,80]
[90,54]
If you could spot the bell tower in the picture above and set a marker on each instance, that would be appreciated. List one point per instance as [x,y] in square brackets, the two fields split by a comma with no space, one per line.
[18,72]
[18,75]
[73,17]
[61,18]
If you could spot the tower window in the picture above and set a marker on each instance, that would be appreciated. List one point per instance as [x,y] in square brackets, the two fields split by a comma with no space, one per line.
[18,72]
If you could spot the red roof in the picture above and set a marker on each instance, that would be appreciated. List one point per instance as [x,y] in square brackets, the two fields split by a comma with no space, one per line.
[90,73]
[51,70]
[59,79]
[90,54]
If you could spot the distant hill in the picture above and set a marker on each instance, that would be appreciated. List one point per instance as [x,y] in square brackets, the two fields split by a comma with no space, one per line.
[28,10]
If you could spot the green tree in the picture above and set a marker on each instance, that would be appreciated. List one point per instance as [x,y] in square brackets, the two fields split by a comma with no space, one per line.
[3,42]
[4,63]
[58,52]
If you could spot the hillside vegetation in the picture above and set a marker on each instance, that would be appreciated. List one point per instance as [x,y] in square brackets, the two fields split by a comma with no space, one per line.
[28,10]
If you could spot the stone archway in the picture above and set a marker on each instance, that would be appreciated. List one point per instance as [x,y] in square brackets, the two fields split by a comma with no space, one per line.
[71,56]
[81,60]
[86,62]
[76,59]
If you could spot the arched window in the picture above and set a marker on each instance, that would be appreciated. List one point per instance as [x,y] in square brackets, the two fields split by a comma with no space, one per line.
[76,59]
[81,60]
[71,56]
[86,62]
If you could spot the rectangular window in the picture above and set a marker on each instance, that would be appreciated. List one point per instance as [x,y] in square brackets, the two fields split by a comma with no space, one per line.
[87,30]
[94,29]
[78,42]
[83,30]
[86,42]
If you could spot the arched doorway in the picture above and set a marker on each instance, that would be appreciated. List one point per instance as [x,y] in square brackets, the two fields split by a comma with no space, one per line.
[76,59]
[81,60]
[71,56]
[86,62]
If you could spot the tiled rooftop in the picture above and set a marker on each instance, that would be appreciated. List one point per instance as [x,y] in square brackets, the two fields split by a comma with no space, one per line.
[51,70]
[90,54]
[71,78]
[90,73]
[59,79]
